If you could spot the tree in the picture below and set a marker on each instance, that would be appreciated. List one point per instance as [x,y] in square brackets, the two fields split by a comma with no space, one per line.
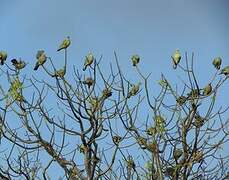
[103,126]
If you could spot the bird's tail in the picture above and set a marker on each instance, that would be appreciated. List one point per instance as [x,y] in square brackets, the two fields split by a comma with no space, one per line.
[174,63]
[36,67]
[59,49]
[14,61]
[85,67]
[2,62]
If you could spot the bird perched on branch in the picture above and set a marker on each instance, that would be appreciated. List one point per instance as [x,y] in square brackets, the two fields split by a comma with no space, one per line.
[207,90]
[18,64]
[89,82]
[59,73]
[41,59]
[88,61]
[3,57]
[135,59]
[217,62]
[142,142]
[106,93]
[176,57]
[64,45]
[130,163]
[199,121]
[151,131]
[225,71]
[134,90]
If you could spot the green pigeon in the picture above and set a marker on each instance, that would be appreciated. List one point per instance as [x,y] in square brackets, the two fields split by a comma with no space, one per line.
[217,62]
[64,45]
[176,57]
[41,59]
[177,153]
[59,73]
[89,82]
[142,142]
[18,64]
[88,61]
[3,57]
[225,71]
[134,90]
[135,59]
[207,90]
[199,121]
[130,163]
[107,93]
[151,131]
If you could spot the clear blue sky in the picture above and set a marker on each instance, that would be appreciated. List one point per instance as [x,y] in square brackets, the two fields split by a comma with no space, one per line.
[151,28]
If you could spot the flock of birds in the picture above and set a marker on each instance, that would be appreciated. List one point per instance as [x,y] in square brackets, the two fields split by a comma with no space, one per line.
[41,59]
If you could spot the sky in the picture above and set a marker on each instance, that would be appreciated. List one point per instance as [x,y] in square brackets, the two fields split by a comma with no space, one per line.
[151,28]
